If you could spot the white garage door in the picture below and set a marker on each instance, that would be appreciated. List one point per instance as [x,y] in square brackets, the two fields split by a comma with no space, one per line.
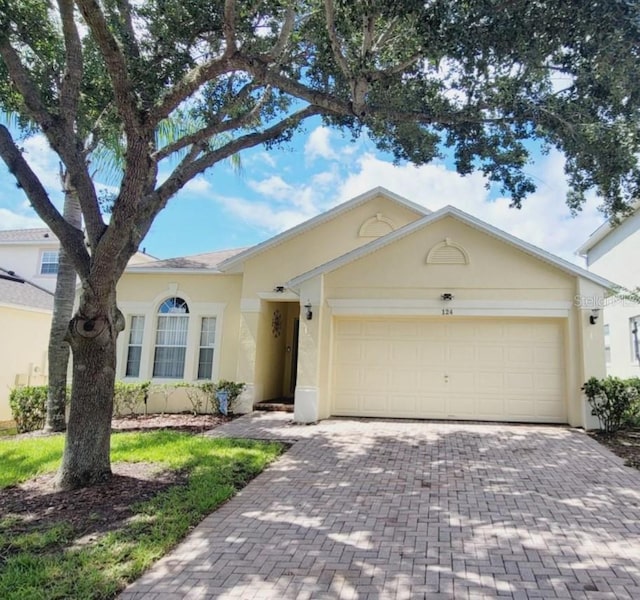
[484,369]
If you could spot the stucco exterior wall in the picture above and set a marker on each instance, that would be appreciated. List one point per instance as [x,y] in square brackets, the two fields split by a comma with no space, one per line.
[25,260]
[304,252]
[615,257]
[23,352]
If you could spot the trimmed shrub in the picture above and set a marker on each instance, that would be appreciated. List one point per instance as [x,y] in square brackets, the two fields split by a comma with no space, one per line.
[28,407]
[611,399]
[129,398]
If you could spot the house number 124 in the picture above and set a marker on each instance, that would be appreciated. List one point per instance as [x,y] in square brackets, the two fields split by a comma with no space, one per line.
[447,311]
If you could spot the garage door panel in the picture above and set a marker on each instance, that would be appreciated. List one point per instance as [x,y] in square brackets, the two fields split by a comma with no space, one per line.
[404,380]
[375,378]
[507,369]
[460,353]
[376,352]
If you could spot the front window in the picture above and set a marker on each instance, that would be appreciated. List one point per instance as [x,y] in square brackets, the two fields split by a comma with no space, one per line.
[49,263]
[634,326]
[207,344]
[135,347]
[171,339]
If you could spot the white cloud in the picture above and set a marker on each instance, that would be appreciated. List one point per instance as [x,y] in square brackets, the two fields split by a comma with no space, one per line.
[262,214]
[12,220]
[44,162]
[273,187]
[318,145]
[198,185]
[544,220]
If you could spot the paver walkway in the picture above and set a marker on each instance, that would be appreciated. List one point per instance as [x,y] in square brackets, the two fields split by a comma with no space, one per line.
[392,509]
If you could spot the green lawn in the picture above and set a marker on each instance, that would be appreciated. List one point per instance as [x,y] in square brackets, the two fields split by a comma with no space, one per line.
[43,563]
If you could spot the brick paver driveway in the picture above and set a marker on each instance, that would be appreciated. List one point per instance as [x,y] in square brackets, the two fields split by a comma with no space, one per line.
[380,509]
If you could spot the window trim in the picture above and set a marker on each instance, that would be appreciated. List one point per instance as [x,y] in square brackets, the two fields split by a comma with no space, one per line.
[211,347]
[43,254]
[131,345]
[175,314]
[149,309]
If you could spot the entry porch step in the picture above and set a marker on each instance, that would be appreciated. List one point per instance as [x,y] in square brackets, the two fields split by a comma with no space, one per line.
[279,404]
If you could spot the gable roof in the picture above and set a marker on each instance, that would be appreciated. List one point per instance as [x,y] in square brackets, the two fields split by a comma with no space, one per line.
[450,211]
[236,261]
[18,291]
[25,236]
[603,231]
[205,263]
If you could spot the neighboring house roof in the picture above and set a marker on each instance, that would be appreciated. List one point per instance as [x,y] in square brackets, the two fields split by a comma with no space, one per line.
[450,211]
[18,291]
[206,262]
[602,232]
[27,236]
[236,261]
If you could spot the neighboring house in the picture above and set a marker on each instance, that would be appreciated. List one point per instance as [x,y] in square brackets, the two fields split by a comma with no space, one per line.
[33,253]
[28,270]
[613,252]
[376,308]
[25,319]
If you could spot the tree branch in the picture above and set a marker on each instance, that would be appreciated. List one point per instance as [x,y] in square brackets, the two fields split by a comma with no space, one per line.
[125,98]
[214,128]
[20,77]
[189,83]
[153,203]
[130,38]
[72,78]
[285,33]
[229,26]
[263,74]
[330,13]
[71,238]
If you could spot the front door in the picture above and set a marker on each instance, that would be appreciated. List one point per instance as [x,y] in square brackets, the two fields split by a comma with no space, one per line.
[293,359]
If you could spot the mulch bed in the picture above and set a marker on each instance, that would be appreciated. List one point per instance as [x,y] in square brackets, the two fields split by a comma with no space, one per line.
[625,444]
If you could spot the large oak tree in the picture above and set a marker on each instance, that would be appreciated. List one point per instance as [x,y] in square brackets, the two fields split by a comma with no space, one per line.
[480,77]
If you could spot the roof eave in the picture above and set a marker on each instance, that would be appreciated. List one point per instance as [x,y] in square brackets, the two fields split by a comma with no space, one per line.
[465,218]
[235,262]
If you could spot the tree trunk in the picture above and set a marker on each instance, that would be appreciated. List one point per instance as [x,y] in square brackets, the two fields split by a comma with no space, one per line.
[62,312]
[86,459]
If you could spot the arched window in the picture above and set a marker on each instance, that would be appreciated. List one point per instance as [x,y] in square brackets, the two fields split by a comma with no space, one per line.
[171,339]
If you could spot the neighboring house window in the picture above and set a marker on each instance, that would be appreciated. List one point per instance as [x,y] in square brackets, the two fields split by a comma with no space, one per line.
[171,339]
[49,263]
[634,325]
[607,344]
[135,347]
[207,344]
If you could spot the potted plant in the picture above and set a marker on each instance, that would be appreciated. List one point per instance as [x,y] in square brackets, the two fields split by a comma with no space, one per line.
[226,393]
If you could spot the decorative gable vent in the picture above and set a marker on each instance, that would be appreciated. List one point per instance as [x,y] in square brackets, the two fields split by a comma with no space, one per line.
[376,226]
[447,253]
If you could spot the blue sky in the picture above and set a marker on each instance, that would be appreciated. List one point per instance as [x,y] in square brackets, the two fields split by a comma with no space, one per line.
[279,188]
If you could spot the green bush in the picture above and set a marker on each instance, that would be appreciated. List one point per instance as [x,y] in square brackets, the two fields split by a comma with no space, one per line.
[633,417]
[612,400]
[29,407]
[129,398]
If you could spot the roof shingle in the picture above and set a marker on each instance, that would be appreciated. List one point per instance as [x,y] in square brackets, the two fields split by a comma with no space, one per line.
[18,291]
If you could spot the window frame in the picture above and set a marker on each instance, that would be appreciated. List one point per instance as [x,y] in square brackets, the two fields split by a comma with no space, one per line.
[131,344]
[43,255]
[211,345]
[170,311]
